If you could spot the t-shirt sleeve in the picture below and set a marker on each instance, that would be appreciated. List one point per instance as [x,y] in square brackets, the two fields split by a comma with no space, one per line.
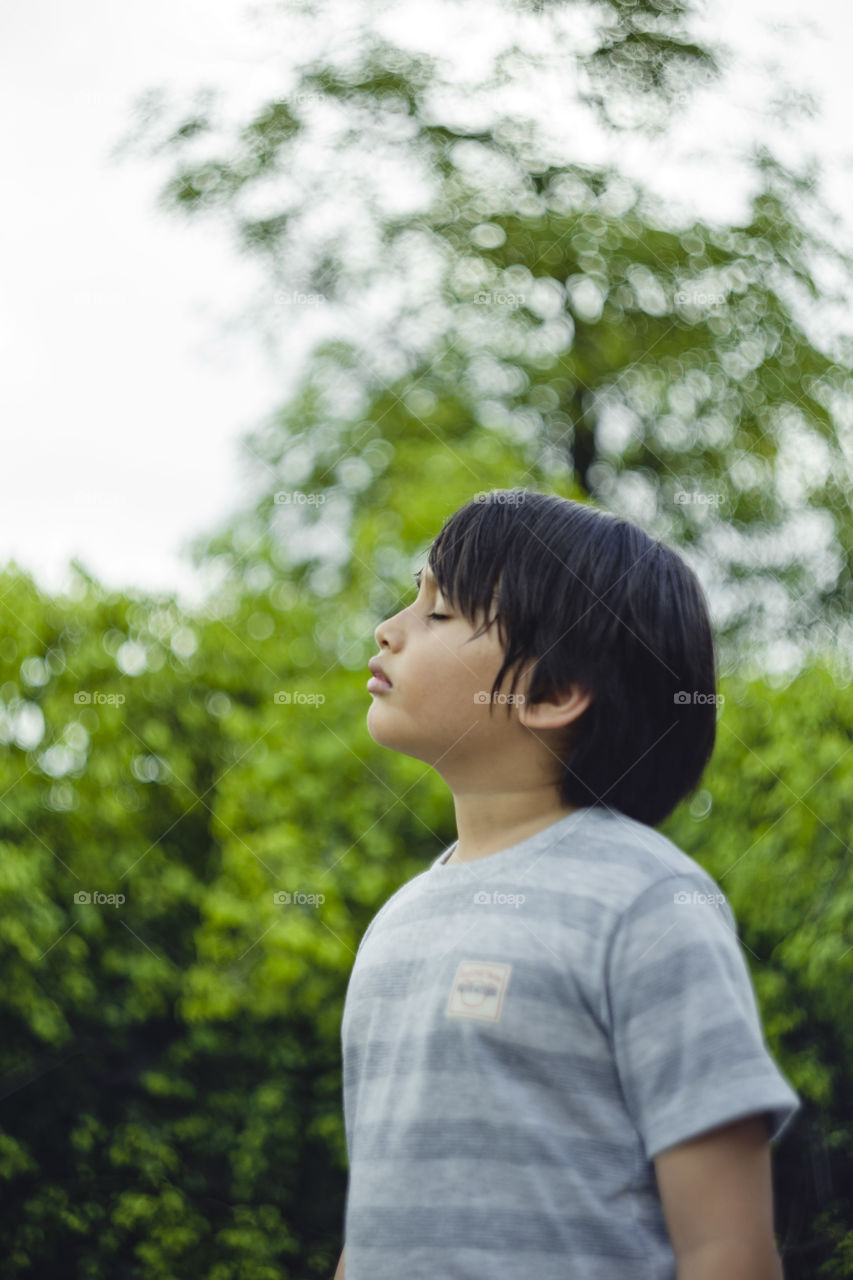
[684,1021]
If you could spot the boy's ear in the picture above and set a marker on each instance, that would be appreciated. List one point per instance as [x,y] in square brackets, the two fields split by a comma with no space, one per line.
[564,707]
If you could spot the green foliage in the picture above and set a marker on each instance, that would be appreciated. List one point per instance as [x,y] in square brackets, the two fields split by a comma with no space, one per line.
[171,1063]
[771,825]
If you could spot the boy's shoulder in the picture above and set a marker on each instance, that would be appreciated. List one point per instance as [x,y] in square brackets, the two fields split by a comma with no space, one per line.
[603,855]
[626,860]
[647,855]
[406,890]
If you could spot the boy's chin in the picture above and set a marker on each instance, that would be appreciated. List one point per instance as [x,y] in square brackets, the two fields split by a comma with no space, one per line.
[384,735]
[380,731]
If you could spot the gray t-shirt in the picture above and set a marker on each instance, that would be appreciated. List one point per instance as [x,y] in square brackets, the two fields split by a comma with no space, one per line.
[522,1035]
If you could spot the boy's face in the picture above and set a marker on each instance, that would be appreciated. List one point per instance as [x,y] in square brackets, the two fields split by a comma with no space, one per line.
[438,707]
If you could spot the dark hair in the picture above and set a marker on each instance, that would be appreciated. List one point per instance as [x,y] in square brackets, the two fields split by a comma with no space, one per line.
[597,602]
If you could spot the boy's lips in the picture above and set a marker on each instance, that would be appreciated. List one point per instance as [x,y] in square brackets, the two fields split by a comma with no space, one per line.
[379,675]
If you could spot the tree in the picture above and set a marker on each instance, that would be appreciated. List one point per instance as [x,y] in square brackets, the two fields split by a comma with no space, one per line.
[666,365]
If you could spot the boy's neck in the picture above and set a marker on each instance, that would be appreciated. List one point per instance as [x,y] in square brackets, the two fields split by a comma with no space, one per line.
[505,834]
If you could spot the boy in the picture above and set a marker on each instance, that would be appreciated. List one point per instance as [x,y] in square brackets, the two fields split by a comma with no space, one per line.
[554,1065]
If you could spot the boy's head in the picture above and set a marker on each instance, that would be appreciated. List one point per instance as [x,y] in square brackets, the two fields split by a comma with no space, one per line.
[568,597]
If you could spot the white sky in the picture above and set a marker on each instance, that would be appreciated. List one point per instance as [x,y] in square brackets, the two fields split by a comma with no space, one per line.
[122,398]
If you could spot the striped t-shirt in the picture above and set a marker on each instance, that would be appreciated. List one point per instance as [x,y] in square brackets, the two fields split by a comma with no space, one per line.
[522,1035]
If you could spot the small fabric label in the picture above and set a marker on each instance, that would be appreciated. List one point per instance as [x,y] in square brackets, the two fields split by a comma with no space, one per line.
[478,990]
